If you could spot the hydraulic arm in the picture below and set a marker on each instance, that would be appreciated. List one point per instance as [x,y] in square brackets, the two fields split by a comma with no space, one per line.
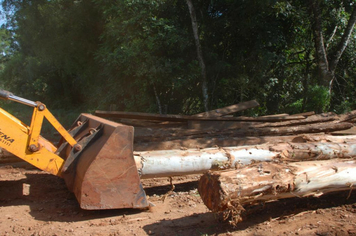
[95,157]
[25,141]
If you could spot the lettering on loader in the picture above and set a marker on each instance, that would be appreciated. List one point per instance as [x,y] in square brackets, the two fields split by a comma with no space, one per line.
[5,139]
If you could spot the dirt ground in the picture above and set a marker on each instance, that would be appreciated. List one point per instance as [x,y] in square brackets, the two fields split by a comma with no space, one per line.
[35,203]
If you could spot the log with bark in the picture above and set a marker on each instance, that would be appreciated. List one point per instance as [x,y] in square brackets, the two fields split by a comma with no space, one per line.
[325,122]
[179,118]
[229,109]
[165,135]
[312,119]
[347,116]
[230,191]
[192,161]
[207,142]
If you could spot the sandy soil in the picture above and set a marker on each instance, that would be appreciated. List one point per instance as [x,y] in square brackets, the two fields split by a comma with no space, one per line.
[35,203]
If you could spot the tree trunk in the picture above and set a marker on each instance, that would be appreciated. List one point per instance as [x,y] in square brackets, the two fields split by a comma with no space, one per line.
[157,100]
[327,64]
[199,53]
[321,53]
[230,191]
[344,41]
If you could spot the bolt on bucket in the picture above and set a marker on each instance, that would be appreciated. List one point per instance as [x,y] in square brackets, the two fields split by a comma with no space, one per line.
[100,170]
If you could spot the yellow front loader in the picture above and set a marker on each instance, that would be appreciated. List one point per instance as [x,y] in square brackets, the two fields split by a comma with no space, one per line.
[95,157]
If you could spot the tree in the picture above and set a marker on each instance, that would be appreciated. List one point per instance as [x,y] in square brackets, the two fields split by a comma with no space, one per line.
[54,44]
[138,55]
[5,46]
[147,58]
[326,62]
[199,53]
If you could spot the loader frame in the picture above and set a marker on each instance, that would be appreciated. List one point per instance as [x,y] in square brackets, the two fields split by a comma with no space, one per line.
[95,157]
[26,142]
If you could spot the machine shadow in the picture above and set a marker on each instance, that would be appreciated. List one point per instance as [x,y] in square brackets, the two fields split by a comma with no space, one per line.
[49,199]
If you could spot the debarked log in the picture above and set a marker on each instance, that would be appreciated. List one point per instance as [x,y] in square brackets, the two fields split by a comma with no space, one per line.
[231,190]
[192,161]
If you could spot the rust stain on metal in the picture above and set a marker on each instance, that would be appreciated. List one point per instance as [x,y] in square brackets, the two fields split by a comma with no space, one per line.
[104,175]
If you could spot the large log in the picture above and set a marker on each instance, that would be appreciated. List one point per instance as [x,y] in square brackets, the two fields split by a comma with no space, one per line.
[160,135]
[152,123]
[206,142]
[229,109]
[229,191]
[211,125]
[192,161]
[348,116]
[179,118]
[319,118]
[351,131]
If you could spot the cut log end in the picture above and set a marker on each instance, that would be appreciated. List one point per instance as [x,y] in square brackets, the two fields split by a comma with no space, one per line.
[230,189]
[209,190]
[212,194]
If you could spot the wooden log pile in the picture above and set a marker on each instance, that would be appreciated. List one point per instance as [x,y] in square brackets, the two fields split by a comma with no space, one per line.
[263,158]
[162,132]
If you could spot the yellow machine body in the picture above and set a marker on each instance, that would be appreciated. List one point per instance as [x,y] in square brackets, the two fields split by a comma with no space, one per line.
[95,157]
[15,138]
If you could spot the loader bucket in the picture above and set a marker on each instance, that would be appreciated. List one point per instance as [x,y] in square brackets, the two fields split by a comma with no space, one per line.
[101,170]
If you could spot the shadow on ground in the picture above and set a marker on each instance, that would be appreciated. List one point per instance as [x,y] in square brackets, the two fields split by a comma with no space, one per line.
[212,223]
[49,200]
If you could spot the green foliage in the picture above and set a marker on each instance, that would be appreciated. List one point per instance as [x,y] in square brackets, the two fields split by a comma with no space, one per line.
[317,100]
[55,42]
[136,54]
[145,48]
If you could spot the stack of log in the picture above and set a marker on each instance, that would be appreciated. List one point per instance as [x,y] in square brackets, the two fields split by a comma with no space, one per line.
[217,128]
[266,158]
